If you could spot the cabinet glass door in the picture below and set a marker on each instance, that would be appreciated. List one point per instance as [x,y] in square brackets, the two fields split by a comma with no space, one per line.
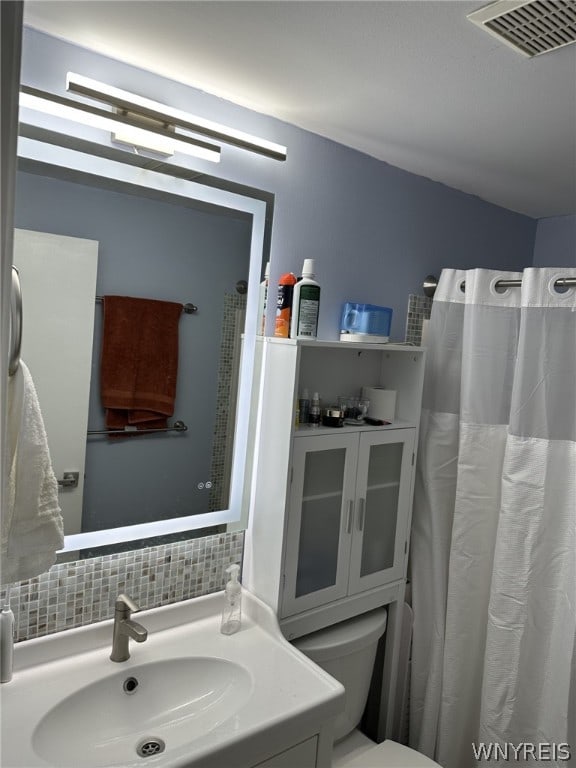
[382,505]
[320,520]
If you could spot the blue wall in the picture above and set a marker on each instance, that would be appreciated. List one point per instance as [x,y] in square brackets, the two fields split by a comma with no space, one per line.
[555,244]
[375,231]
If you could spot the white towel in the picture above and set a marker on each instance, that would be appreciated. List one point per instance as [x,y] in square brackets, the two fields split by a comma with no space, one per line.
[33,529]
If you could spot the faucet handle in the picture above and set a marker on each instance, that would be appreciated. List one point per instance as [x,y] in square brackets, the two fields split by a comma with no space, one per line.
[124,602]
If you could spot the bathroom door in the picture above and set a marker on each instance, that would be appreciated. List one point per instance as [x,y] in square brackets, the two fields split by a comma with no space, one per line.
[380,535]
[320,520]
[58,271]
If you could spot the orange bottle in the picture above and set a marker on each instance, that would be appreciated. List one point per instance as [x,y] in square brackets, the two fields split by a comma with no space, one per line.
[284,305]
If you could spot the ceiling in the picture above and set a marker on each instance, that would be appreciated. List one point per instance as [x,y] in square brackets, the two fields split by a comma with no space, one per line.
[411,82]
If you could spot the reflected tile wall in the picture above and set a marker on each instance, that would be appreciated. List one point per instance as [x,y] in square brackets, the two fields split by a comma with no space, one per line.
[233,318]
[82,592]
[419,308]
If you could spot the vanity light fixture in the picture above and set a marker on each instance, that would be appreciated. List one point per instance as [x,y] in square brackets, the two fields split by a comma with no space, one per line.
[156,136]
[175,118]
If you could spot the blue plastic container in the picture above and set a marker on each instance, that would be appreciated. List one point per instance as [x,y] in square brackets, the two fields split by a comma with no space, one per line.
[365,322]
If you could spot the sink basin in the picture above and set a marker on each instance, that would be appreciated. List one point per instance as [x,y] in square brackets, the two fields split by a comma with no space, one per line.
[189,697]
[141,711]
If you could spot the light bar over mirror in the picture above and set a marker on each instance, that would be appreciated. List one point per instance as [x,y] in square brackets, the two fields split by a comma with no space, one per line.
[158,138]
[175,118]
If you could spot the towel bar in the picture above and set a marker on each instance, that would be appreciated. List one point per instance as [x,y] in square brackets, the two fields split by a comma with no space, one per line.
[187,308]
[15,322]
[178,426]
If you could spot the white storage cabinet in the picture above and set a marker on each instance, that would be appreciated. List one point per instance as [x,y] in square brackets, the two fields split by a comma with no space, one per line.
[331,507]
[330,512]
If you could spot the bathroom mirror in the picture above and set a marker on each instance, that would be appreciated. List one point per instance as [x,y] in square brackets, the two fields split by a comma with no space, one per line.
[175,240]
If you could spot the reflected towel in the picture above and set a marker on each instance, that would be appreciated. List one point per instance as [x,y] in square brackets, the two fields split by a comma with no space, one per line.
[32,526]
[139,363]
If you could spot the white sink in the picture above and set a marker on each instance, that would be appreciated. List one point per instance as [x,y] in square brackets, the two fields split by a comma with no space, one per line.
[139,711]
[189,697]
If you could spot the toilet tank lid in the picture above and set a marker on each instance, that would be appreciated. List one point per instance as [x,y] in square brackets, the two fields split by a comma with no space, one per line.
[345,637]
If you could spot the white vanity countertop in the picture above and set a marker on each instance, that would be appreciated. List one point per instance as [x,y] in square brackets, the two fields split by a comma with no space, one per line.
[283,698]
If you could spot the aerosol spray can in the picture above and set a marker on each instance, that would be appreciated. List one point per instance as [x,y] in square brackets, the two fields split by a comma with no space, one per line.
[284,305]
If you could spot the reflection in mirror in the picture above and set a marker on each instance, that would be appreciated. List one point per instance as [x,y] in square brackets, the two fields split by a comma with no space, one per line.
[58,276]
[78,241]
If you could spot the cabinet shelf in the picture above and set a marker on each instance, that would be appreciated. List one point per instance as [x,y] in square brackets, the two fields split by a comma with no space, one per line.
[306,430]
[380,486]
[322,496]
[343,345]
[338,494]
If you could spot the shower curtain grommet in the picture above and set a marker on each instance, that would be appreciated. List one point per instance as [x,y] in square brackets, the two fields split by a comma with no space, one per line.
[497,291]
[558,291]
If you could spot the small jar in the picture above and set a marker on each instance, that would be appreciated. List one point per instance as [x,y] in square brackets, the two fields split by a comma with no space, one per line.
[333,416]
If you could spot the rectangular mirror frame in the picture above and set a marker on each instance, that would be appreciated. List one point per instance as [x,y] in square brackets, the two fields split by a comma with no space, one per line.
[77,165]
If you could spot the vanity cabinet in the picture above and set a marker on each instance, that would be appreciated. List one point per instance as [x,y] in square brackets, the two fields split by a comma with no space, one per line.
[349,504]
[302,755]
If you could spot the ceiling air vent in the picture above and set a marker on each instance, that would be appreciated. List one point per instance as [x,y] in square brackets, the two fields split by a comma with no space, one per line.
[529,26]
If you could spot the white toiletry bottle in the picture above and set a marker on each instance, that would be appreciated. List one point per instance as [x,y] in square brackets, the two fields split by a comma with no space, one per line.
[305,304]
[6,643]
[232,613]
[263,301]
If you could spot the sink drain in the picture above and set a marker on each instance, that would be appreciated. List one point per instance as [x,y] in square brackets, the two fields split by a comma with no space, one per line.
[150,746]
[129,685]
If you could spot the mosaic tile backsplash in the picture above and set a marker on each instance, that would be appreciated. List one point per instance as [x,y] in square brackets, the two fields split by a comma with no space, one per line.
[83,592]
[419,308]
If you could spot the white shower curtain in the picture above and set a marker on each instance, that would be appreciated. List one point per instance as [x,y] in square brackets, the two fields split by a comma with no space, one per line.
[493,559]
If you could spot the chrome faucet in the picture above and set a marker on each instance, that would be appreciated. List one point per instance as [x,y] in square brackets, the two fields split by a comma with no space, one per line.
[125,628]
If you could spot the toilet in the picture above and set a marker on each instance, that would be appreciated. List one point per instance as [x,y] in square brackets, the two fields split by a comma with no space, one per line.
[347,651]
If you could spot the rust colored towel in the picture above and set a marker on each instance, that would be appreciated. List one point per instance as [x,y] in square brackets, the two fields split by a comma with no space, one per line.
[139,361]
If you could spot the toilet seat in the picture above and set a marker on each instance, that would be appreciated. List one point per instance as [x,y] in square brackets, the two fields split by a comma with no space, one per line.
[390,754]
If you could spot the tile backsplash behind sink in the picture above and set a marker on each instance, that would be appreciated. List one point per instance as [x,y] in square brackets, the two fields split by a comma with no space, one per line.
[82,592]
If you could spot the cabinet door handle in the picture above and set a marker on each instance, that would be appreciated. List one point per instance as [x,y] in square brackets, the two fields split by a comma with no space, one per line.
[350,515]
[361,505]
